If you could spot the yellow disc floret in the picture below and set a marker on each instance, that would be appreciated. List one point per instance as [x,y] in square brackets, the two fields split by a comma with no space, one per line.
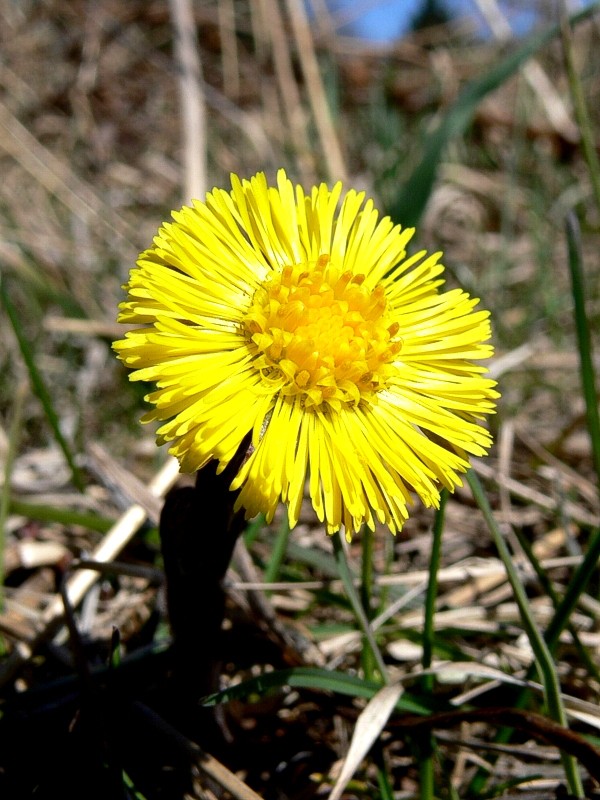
[319,333]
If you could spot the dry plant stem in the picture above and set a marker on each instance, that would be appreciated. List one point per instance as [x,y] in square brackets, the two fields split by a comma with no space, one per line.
[124,486]
[538,644]
[58,179]
[297,647]
[533,73]
[229,58]
[534,725]
[192,99]
[295,115]
[574,511]
[318,99]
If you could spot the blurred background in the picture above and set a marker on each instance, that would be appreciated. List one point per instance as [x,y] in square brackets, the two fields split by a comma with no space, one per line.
[96,148]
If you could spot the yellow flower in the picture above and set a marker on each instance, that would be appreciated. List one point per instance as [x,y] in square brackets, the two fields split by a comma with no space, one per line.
[269,312]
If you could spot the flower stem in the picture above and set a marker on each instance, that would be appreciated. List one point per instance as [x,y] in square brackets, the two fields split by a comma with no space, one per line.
[195,566]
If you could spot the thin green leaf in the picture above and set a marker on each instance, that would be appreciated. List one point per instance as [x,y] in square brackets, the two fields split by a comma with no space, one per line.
[64,516]
[13,443]
[317,559]
[38,385]
[584,338]
[311,678]
[588,566]
[426,770]
[366,593]
[538,644]
[278,552]
[354,597]
[588,138]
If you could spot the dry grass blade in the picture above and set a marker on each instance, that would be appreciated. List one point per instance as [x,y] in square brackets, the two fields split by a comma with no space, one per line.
[225,778]
[318,99]
[84,327]
[535,76]
[192,99]
[231,75]
[57,177]
[368,727]
[574,511]
[271,22]
[125,485]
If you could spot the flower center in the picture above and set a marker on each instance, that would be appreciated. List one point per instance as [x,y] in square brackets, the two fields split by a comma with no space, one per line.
[321,334]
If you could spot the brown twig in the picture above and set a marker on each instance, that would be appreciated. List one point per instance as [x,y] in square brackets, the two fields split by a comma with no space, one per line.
[535,725]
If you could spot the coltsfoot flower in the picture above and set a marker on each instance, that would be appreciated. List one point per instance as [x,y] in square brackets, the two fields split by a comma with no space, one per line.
[300,320]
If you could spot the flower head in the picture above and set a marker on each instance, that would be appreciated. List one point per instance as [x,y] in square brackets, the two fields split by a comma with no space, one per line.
[300,321]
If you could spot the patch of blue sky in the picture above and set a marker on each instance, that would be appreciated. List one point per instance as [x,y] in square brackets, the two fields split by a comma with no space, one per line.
[387,20]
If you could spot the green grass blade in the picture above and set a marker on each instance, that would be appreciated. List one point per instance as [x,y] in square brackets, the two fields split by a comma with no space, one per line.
[13,443]
[584,339]
[321,562]
[562,619]
[278,552]
[431,596]
[38,385]
[577,586]
[366,592]
[385,785]
[414,194]
[355,601]
[539,646]
[311,678]
[588,143]
[64,516]
[589,564]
